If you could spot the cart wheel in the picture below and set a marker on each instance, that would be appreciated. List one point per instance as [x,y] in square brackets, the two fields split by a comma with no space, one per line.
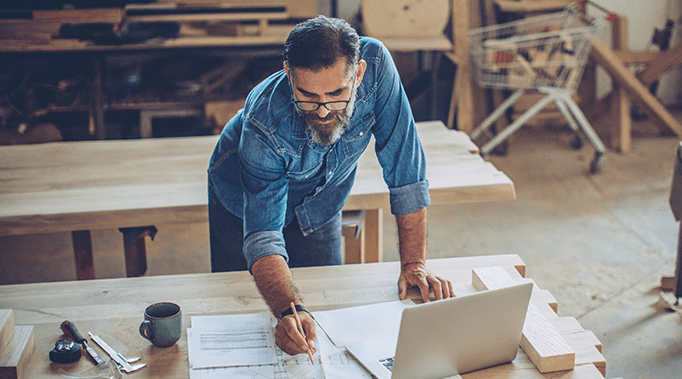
[595,165]
[577,142]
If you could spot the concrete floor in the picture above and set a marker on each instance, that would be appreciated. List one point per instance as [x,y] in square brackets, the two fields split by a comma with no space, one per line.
[598,243]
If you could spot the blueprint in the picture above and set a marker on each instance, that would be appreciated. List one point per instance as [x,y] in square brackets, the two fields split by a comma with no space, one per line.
[238,346]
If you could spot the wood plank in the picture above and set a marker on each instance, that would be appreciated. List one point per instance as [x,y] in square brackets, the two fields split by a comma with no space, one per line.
[621,107]
[479,103]
[464,90]
[545,347]
[409,44]
[532,6]
[299,9]
[664,61]
[210,17]
[14,364]
[522,368]
[622,76]
[629,57]
[105,15]
[6,329]
[390,18]
[497,95]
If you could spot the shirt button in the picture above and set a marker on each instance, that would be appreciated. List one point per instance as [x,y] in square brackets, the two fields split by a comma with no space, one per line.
[362,134]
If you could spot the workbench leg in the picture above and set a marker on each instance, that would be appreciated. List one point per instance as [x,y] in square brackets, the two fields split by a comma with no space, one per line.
[674,283]
[464,90]
[82,249]
[134,249]
[374,222]
[98,100]
[621,126]
[353,245]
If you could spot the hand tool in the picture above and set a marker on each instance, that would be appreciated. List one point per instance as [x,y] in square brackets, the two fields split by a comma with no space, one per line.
[70,330]
[65,352]
[118,358]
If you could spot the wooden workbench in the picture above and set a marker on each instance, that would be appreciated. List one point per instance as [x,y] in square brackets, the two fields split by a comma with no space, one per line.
[112,309]
[81,186]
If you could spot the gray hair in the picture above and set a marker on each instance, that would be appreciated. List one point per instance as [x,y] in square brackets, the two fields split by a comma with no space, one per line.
[319,43]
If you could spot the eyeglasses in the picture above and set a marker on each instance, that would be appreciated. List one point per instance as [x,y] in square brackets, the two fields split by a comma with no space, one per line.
[312,106]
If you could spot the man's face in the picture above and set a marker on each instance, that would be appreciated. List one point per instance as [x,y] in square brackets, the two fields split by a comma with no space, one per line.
[325,85]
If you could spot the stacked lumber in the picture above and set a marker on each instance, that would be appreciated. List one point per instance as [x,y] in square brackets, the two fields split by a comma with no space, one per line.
[542,337]
[203,21]
[17,344]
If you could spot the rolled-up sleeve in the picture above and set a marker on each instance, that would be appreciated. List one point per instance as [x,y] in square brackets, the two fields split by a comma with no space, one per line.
[410,198]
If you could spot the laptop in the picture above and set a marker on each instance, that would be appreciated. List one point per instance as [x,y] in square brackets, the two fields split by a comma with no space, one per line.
[450,337]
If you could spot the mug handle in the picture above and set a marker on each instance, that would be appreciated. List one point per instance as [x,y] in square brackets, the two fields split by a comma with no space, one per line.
[144,329]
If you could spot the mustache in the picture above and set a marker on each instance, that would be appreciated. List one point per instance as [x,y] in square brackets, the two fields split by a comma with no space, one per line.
[331,116]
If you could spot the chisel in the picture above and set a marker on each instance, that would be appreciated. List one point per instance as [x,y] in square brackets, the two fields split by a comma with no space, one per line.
[70,330]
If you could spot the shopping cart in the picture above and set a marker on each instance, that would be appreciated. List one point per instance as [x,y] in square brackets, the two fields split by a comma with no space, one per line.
[544,53]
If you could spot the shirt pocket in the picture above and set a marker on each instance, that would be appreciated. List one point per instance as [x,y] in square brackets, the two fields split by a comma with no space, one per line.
[356,139]
[304,167]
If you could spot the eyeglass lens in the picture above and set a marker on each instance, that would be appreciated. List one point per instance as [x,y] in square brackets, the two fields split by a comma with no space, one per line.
[313,106]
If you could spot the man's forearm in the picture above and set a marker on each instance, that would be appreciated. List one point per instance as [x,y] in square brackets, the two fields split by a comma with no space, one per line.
[275,283]
[412,237]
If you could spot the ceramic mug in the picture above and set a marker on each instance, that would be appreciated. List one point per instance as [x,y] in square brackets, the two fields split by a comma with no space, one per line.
[162,324]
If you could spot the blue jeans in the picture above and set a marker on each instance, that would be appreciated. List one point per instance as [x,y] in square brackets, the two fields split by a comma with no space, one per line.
[320,248]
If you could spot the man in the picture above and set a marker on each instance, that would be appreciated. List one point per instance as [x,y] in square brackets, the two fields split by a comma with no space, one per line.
[284,165]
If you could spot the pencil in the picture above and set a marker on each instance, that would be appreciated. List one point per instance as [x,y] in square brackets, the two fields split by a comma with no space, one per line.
[300,329]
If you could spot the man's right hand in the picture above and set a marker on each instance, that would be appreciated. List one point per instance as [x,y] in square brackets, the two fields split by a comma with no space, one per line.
[290,340]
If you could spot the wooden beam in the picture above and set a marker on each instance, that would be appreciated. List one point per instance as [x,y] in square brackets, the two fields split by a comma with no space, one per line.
[629,57]
[106,15]
[621,119]
[14,363]
[495,96]
[6,329]
[543,344]
[623,77]
[478,93]
[463,88]
[532,6]
[663,61]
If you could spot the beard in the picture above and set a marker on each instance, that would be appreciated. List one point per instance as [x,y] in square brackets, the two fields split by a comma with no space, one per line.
[328,130]
[327,133]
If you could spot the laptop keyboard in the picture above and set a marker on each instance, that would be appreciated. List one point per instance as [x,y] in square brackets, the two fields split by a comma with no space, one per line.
[388,363]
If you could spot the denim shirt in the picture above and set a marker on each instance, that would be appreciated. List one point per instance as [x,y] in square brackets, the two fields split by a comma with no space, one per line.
[266,169]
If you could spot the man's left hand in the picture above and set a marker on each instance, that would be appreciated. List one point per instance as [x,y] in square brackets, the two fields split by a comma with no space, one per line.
[416,275]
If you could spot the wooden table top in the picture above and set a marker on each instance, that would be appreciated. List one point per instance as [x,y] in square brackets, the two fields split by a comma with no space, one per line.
[67,186]
[112,309]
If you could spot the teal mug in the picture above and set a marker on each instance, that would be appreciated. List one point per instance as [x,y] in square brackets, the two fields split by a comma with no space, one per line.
[162,324]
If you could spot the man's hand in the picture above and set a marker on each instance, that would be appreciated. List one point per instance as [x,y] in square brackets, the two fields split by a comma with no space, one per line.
[288,337]
[416,275]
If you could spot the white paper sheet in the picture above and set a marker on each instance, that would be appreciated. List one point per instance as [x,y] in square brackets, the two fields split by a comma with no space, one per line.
[330,361]
[356,324]
[231,340]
